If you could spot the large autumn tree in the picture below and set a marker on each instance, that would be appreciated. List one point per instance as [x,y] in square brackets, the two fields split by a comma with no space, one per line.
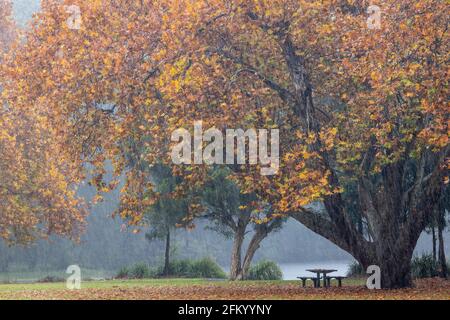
[360,106]
[37,183]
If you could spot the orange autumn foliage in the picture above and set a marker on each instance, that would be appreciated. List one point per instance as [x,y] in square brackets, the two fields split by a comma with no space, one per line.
[37,183]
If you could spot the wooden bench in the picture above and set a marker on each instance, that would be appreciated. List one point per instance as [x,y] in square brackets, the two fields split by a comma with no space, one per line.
[338,278]
[313,279]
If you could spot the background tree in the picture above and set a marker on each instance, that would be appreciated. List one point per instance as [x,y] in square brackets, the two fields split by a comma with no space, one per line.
[235,215]
[164,216]
[431,229]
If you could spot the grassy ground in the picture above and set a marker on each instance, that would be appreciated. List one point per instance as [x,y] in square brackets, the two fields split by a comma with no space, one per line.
[33,276]
[204,289]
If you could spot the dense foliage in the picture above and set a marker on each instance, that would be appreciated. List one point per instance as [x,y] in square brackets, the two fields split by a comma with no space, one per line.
[37,184]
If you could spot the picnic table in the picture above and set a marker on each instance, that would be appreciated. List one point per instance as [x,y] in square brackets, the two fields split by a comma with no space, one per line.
[326,279]
[318,272]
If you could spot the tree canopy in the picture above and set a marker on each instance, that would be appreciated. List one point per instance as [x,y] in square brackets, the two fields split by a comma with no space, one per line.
[37,185]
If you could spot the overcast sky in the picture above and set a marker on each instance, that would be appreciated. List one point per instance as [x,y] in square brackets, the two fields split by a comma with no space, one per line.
[23,10]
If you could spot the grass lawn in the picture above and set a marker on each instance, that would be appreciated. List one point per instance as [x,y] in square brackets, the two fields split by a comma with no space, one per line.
[32,276]
[205,289]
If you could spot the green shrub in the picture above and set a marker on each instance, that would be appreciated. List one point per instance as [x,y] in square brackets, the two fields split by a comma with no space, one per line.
[124,273]
[140,271]
[424,267]
[179,268]
[355,270]
[207,268]
[265,270]
[203,268]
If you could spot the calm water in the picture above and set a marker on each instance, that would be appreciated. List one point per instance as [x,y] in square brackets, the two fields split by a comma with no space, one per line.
[293,270]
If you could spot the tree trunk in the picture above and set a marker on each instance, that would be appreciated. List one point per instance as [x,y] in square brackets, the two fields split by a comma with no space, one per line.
[395,265]
[442,260]
[251,250]
[235,268]
[167,255]
[396,273]
[433,232]
[4,259]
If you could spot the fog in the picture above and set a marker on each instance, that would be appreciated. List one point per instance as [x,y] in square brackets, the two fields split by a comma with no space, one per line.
[107,245]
